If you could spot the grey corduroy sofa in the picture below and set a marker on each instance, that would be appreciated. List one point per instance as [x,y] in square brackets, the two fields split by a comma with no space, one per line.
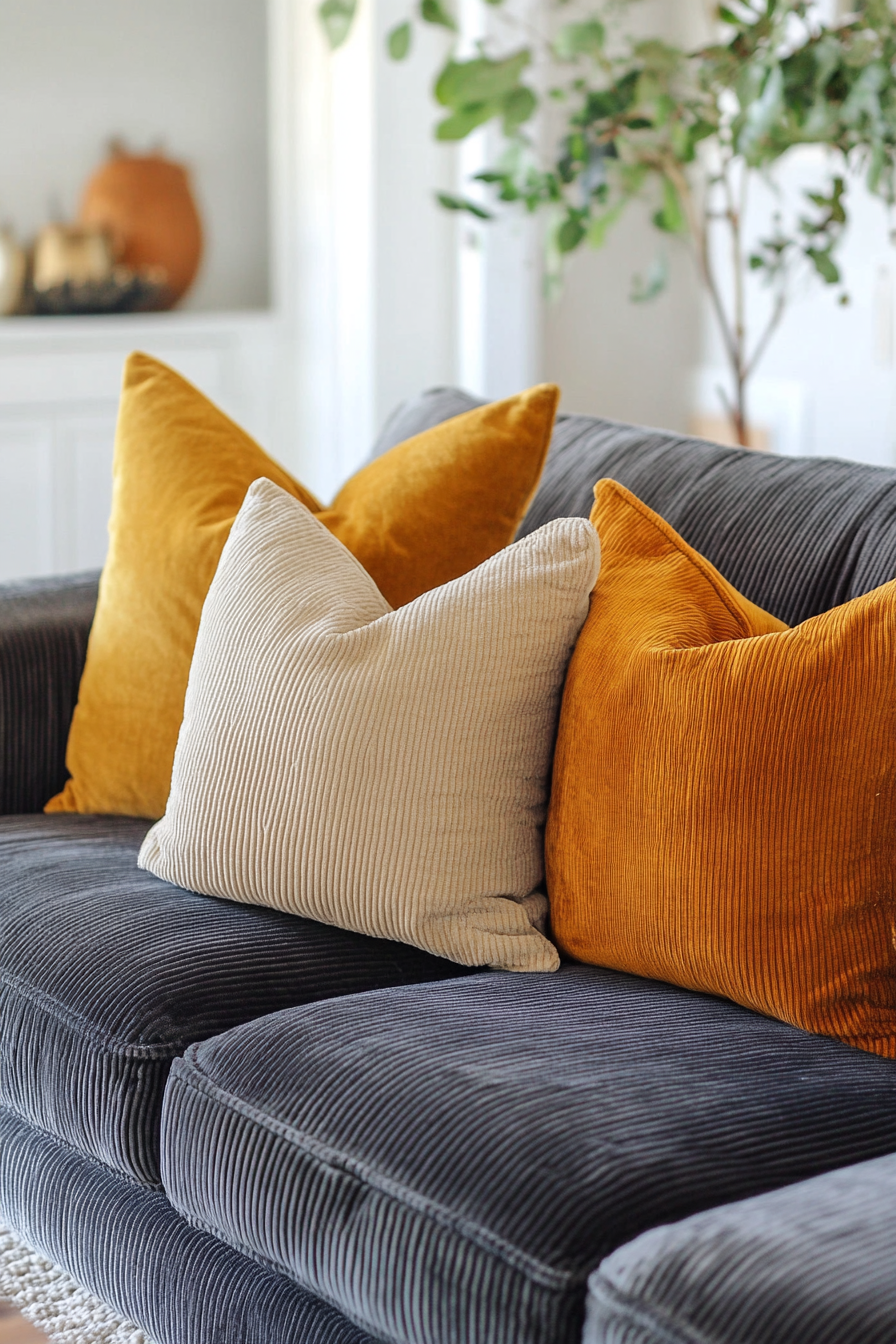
[231,1125]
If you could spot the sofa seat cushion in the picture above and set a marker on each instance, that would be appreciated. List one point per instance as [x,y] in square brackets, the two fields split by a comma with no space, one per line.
[108,973]
[814,1261]
[449,1162]
[127,1247]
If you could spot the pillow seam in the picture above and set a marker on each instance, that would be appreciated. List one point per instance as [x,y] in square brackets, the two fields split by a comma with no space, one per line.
[707,571]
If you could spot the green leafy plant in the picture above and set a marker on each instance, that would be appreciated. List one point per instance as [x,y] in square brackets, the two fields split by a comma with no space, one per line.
[690,131]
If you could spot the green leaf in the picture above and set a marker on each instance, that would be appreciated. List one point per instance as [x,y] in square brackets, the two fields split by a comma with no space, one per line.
[645,288]
[433,11]
[337,17]
[459,125]
[670,217]
[601,226]
[762,114]
[518,107]
[686,139]
[579,39]
[577,147]
[398,42]
[632,177]
[480,80]
[832,204]
[461,203]
[507,188]
[612,102]
[658,57]
[570,233]
[824,265]
[863,103]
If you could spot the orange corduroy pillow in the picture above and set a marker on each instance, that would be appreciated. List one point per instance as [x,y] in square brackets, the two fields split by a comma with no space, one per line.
[723,813]
[428,511]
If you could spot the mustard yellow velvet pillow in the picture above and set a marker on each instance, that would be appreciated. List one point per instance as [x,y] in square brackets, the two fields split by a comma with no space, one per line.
[421,515]
[723,810]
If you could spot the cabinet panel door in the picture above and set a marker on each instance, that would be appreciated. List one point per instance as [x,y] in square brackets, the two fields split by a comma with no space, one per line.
[83,488]
[26,499]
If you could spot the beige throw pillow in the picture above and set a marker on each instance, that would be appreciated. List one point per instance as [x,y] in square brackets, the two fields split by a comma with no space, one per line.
[386,771]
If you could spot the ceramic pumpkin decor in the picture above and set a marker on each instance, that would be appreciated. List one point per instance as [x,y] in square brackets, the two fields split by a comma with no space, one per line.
[145,204]
[71,253]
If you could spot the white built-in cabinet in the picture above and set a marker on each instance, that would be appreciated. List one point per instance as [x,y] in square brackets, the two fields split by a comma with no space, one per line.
[55,487]
[59,381]
[210,82]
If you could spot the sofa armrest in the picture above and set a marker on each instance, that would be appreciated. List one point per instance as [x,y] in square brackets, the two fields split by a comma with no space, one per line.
[44,624]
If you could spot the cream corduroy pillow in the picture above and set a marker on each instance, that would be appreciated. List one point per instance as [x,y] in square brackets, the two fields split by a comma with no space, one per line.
[386,771]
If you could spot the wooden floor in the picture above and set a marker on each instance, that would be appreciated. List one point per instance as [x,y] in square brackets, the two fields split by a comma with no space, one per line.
[13,1330]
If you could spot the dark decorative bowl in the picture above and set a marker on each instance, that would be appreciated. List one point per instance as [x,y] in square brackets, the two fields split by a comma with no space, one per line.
[124,291]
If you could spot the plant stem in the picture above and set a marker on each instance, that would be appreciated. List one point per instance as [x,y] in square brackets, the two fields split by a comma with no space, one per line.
[771,327]
[734,338]
[734,216]
[699,231]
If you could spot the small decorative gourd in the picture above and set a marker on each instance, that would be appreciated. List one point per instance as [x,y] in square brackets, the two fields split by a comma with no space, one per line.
[73,255]
[13,267]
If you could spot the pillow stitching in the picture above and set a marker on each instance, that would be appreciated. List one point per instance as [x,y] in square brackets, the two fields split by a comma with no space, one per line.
[706,571]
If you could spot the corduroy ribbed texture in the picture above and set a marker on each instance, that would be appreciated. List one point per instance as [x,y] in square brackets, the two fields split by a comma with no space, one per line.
[127,1246]
[444,500]
[415,518]
[447,1163]
[385,771]
[418,414]
[723,805]
[811,1264]
[44,624]
[795,535]
[50,1298]
[107,974]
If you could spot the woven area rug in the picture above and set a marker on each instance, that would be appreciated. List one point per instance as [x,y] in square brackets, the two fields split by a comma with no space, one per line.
[48,1297]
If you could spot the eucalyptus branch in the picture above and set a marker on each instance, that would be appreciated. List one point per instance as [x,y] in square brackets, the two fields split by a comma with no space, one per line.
[699,234]
[685,129]
[780,307]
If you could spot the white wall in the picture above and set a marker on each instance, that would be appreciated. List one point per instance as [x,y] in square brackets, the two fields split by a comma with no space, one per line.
[443,301]
[415,328]
[611,357]
[189,74]
[619,359]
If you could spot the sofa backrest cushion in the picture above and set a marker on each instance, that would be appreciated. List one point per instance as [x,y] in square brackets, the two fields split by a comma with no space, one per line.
[796,536]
